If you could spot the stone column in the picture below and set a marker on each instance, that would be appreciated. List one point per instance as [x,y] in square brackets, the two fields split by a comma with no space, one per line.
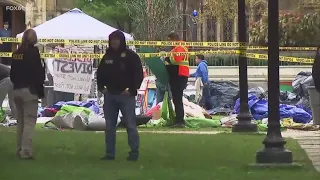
[37,13]
[44,10]
[199,28]
[205,29]
[29,17]
[219,30]
[235,29]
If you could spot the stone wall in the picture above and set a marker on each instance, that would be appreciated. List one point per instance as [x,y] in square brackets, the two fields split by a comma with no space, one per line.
[39,11]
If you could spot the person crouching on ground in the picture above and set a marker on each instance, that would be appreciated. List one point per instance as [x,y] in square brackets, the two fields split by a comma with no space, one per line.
[27,75]
[119,76]
[202,72]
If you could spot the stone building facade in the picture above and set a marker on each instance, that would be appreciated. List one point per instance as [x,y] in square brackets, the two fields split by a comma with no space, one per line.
[21,14]
[213,29]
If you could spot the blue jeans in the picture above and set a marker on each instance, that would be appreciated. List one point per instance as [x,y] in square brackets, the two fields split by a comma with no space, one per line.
[160,94]
[205,100]
[126,104]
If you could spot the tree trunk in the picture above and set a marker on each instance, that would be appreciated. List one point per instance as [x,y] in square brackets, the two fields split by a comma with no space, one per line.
[119,26]
[130,29]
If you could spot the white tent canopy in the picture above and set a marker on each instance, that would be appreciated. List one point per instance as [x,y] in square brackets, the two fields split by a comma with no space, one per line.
[74,24]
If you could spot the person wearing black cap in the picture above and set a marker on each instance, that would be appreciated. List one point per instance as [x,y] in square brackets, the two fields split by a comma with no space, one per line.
[5,47]
[119,76]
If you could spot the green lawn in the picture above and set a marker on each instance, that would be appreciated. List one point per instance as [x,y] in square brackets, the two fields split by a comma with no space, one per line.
[73,155]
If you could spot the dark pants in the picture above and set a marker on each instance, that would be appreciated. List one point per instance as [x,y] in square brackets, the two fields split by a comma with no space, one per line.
[205,100]
[126,104]
[177,85]
[160,94]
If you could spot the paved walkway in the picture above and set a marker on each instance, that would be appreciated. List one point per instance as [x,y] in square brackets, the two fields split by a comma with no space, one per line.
[310,142]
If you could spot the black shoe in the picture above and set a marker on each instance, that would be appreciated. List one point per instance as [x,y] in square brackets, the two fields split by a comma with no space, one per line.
[133,157]
[107,158]
[178,125]
[26,158]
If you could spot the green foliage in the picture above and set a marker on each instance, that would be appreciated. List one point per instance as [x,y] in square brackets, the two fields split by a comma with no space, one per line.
[221,9]
[308,5]
[295,30]
[107,11]
[152,19]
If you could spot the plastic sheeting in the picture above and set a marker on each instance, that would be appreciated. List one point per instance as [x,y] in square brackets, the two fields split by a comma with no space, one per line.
[301,82]
[78,118]
[223,96]
[92,105]
[259,110]
[202,123]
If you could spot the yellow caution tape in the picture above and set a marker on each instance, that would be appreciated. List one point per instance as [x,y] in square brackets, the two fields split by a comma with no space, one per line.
[281,58]
[159,43]
[148,55]
[97,56]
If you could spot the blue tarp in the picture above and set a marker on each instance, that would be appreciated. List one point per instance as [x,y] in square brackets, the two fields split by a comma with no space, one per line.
[259,110]
[92,105]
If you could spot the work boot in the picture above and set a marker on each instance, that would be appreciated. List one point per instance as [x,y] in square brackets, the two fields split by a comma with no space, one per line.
[107,158]
[133,156]
[178,125]
[25,155]
[27,158]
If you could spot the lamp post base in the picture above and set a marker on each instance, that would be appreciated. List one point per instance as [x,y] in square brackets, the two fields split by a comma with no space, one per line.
[274,155]
[277,166]
[244,124]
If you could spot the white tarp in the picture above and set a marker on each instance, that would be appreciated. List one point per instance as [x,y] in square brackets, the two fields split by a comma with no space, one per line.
[74,24]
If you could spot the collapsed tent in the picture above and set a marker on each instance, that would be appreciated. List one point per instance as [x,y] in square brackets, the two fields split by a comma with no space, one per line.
[259,110]
[223,96]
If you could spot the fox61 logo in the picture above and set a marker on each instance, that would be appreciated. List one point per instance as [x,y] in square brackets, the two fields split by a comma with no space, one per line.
[18,8]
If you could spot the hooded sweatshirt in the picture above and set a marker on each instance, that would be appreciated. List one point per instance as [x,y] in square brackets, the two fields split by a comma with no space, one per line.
[202,72]
[120,69]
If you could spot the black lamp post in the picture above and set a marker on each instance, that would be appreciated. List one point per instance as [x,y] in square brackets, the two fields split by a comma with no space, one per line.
[244,118]
[274,151]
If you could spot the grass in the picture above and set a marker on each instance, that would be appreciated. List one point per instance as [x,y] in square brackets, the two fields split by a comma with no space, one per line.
[141,128]
[144,128]
[74,155]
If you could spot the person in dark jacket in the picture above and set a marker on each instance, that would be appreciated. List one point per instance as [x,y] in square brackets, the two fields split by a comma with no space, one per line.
[119,76]
[28,76]
[6,88]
